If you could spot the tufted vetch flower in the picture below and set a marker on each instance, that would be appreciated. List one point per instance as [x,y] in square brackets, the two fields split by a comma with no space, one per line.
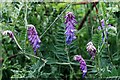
[105,30]
[82,62]
[11,35]
[70,27]
[8,32]
[91,49]
[102,23]
[33,37]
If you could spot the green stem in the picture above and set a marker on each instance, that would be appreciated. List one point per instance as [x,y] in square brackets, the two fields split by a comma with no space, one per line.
[21,53]
[55,20]
[70,63]
[17,43]
[25,19]
[101,47]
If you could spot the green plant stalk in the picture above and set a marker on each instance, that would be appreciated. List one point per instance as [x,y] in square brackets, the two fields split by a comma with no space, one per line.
[55,20]
[101,47]
[118,34]
[118,30]
[98,60]
[118,41]
[68,63]
[73,72]
[17,43]
[25,19]
[21,53]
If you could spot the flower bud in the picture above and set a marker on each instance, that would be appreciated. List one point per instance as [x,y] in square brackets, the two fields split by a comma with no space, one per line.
[91,49]
[8,32]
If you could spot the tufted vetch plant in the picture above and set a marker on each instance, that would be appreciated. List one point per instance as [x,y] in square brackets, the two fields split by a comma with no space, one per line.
[59,40]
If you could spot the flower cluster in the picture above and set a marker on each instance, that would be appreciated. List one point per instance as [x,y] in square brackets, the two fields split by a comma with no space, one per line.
[91,49]
[33,37]
[8,32]
[82,62]
[105,30]
[70,23]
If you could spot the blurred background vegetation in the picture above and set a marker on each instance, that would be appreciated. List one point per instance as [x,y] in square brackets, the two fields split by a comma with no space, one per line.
[55,57]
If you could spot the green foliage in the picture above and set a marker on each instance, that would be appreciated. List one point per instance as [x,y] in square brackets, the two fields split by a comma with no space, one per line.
[55,57]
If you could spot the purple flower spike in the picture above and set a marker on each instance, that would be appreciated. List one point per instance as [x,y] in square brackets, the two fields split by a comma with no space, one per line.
[91,49]
[8,32]
[82,62]
[33,37]
[70,24]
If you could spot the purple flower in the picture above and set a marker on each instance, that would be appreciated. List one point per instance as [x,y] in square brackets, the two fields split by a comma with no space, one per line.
[82,62]
[33,37]
[109,25]
[8,32]
[104,30]
[102,23]
[70,27]
[99,27]
[91,49]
